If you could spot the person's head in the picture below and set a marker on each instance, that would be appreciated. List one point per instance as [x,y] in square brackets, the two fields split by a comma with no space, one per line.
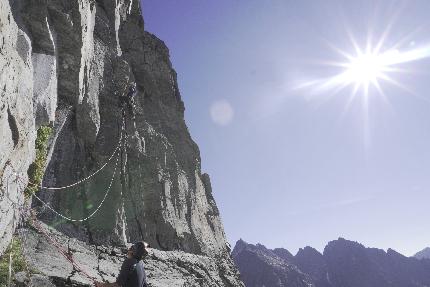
[137,250]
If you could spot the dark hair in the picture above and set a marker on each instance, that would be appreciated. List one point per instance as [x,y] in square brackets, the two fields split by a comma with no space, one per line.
[139,250]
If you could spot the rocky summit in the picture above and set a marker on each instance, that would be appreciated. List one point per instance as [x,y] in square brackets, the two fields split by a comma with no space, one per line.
[135,175]
[343,263]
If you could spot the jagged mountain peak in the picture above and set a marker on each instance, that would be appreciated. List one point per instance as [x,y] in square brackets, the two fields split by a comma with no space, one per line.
[423,254]
[308,251]
[343,263]
[261,266]
[284,254]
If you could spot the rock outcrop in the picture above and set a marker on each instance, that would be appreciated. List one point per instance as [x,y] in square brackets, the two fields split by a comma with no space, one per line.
[64,63]
[163,268]
[344,263]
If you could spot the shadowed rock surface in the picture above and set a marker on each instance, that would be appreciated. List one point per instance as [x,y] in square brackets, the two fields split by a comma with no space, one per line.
[344,263]
[64,63]
[351,264]
[311,262]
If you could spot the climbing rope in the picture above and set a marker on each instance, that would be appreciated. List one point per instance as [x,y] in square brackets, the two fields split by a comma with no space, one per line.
[64,253]
[88,177]
[39,227]
[41,230]
[93,213]
[82,180]
[76,183]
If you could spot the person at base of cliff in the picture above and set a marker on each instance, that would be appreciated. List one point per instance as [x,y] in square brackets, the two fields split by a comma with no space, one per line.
[132,272]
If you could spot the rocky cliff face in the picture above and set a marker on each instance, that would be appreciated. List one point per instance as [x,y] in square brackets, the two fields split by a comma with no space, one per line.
[17,121]
[344,263]
[64,63]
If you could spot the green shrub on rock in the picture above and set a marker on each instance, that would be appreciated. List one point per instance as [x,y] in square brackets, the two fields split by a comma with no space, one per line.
[18,261]
[37,168]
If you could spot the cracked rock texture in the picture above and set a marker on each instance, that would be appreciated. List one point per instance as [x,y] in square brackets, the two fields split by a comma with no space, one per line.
[64,63]
[172,268]
[17,122]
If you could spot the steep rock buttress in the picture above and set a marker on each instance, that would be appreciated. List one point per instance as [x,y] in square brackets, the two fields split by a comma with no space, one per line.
[64,63]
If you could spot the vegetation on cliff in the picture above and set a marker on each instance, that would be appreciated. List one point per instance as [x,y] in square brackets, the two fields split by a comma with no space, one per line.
[18,261]
[37,168]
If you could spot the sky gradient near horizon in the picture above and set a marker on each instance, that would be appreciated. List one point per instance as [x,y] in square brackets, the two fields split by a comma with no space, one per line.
[291,167]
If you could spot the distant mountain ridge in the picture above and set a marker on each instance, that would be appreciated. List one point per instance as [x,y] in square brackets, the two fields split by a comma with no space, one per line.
[423,254]
[343,263]
[260,266]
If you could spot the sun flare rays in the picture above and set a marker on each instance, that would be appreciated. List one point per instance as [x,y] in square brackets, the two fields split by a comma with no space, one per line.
[365,70]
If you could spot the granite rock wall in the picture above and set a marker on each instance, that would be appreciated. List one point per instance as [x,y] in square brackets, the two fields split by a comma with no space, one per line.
[64,63]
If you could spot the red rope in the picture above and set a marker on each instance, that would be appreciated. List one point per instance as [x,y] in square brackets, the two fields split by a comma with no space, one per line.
[62,251]
[57,245]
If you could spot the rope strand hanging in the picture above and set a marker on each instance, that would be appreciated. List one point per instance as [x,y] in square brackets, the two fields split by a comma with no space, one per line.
[38,227]
[57,245]
[91,175]
[94,212]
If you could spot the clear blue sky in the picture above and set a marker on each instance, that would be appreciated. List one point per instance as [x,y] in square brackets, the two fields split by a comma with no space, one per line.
[293,167]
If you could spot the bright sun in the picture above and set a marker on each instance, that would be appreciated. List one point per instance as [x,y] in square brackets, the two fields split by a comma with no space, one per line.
[365,69]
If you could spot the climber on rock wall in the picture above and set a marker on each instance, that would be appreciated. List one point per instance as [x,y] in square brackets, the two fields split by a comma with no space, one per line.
[132,272]
[127,101]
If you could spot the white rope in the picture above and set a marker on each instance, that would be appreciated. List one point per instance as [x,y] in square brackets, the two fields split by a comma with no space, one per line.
[90,176]
[94,212]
